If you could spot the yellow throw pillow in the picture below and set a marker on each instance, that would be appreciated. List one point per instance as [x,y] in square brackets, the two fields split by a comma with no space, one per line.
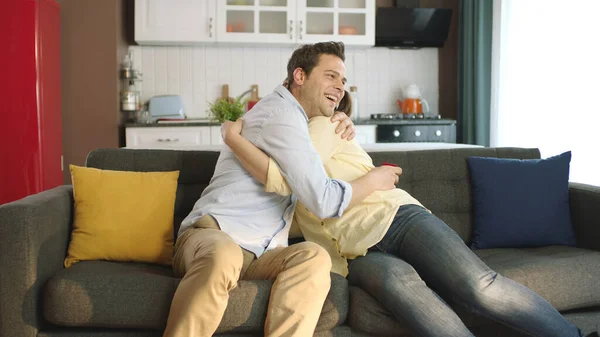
[122,216]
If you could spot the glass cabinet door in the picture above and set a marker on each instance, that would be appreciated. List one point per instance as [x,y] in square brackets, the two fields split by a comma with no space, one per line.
[261,21]
[350,21]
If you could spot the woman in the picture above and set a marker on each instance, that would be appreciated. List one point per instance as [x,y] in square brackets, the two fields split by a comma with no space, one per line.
[410,250]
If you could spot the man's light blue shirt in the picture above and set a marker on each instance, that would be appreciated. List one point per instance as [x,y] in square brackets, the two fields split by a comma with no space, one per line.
[258,220]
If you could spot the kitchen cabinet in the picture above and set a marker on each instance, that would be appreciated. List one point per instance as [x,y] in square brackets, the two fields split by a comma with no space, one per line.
[206,137]
[175,22]
[296,21]
[365,134]
[262,22]
[349,21]
[256,21]
[167,137]
[215,135]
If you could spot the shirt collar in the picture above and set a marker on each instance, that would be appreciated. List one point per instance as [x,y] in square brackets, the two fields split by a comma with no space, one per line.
[287,95]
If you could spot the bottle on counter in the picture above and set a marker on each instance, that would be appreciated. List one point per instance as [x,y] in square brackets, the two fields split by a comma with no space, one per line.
[354,96]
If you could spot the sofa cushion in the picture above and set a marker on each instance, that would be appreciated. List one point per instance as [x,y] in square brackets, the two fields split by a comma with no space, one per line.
[122,216]
[439,179]
[521,203]
[339,331]
[565,276]
[104,294]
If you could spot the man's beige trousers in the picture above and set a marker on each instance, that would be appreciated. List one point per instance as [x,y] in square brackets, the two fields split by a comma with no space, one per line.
[211,264]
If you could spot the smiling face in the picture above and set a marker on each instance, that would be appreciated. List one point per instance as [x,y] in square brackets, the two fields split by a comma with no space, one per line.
[320,92]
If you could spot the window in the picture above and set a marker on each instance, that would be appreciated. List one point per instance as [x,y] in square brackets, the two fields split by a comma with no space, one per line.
[546,80]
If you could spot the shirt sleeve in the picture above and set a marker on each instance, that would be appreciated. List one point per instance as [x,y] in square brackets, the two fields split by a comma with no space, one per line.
[285,138]
[325,141]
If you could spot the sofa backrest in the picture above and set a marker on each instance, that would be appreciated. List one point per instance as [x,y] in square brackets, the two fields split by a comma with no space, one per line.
[439,179]
[196,168]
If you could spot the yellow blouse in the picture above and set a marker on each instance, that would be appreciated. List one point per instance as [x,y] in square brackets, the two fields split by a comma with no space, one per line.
[361,226]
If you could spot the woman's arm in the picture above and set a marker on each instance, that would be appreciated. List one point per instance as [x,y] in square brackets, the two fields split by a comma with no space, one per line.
[251,157]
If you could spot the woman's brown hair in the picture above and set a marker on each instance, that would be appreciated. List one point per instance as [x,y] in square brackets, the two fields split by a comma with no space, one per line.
[345,105]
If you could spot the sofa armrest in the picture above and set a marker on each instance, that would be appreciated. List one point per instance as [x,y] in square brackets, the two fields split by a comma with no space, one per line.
[34,233]
[585,214]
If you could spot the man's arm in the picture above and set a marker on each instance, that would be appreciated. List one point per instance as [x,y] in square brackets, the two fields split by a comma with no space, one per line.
[378,179]
[258,164]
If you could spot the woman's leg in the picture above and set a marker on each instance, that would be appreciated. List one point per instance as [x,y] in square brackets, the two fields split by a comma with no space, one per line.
[443,260]
[398,287]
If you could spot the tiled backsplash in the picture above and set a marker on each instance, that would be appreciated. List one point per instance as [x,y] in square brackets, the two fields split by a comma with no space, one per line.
[197,74]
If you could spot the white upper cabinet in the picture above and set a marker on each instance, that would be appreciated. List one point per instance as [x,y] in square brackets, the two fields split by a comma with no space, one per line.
[175,22]
[261,22]
[349,21]
[256,21]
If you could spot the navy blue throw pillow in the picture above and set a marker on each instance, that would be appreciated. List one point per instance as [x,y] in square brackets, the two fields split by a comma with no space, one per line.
[521,203]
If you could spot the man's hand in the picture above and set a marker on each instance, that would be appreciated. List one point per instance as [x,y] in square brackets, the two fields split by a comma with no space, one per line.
[381,178]
[345,125]
[384,178]
[229,129]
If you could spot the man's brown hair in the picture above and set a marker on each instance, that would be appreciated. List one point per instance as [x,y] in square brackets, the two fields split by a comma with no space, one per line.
[307,57]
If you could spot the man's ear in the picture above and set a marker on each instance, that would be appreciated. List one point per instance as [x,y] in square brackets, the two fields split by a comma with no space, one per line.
[299,76]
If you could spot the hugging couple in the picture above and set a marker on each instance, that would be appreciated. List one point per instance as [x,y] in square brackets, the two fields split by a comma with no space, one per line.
[292,163]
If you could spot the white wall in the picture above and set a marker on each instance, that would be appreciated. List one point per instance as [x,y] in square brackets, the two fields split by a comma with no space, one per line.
[197,74]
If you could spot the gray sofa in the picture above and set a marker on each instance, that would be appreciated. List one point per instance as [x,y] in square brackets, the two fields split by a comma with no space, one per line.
[99,298]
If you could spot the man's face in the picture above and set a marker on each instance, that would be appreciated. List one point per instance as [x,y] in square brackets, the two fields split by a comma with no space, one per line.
[324,88]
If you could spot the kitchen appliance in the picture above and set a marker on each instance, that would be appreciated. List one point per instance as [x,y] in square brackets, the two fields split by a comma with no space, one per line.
[412,27]
[166,106]
[31,128]
[416,130]
[413,103]
[437,131]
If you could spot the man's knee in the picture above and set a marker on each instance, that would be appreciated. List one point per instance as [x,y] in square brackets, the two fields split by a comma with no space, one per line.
[220,258]
[313,256]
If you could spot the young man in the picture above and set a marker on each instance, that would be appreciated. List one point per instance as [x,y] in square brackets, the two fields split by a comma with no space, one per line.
[237,230]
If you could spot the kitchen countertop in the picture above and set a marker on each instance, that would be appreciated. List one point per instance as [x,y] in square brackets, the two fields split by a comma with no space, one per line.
[364,121]
[206,122]
[374,147]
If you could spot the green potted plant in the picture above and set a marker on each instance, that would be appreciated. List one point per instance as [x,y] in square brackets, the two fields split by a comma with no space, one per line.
[227,109]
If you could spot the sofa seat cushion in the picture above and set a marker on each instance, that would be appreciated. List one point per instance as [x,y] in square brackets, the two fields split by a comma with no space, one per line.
[103,294]
[565,276]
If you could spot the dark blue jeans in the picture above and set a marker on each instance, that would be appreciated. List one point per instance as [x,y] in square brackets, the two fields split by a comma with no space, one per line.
[420,253]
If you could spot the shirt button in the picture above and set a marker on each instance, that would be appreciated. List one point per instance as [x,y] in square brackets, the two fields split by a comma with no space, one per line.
[322,223]
[333,239]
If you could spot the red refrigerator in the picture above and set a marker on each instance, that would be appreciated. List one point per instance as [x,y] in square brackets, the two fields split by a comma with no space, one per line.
[30,105]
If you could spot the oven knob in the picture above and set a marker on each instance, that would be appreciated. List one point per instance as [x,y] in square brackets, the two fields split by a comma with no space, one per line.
[396,133]
[438,133]
[417,133]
